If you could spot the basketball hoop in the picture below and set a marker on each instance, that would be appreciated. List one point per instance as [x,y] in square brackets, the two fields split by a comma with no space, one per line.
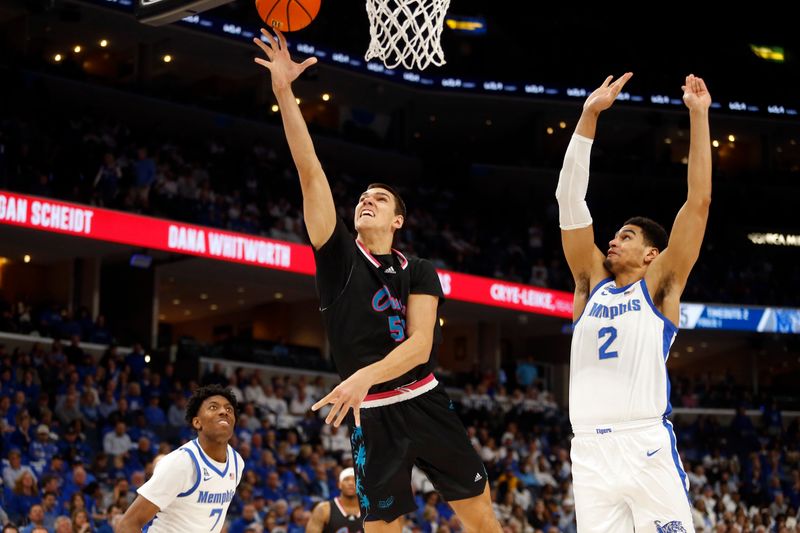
[406,32]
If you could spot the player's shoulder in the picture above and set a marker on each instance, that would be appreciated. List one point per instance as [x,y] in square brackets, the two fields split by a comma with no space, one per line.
[323,509]
[181,457]
[420,264]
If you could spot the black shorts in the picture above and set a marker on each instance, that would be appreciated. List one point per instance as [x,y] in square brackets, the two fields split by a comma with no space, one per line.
[424,431]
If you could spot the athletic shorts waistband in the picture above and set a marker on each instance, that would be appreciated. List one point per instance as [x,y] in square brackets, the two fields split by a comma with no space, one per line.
[616,427]
[401,393]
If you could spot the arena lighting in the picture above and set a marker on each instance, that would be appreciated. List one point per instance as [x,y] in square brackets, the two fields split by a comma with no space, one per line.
[147,359]
[468,25]
[141,261]
[731,138]
[275,108]
[774,239]
[103,43]
[768,53]
[57,58]
[245,32]
[326,97]
[715,143]
[167,58]
[77,49]
[26,258]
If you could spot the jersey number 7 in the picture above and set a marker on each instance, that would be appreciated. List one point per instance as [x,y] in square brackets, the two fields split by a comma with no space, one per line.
[218,512]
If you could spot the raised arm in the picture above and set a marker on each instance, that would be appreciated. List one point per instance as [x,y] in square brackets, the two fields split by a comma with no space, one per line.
[670,270]
[585,260]
[318,209]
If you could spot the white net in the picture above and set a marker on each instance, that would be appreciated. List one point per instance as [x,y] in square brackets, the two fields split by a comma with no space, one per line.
[406,32]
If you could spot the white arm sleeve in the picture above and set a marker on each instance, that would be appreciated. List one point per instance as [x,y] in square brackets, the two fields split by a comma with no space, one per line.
[573,213]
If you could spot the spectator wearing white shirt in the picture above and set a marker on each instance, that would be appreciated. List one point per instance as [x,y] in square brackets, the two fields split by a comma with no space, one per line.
[15,468]
[117,442]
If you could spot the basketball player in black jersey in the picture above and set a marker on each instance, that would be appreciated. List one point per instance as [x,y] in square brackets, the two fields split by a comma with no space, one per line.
[340,514]
[381,315]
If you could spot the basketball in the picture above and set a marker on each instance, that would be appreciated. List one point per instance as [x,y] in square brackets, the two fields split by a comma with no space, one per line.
[288,15]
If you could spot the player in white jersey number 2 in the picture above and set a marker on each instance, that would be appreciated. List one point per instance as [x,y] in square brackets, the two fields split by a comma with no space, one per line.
[627,475]
[193,486]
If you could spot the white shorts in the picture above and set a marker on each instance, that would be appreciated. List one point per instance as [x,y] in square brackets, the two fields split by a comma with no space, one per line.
[629,478]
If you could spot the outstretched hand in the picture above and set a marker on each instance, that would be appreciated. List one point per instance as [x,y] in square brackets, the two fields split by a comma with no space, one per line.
[347,395]
[603,97]
[695,94]
[283,70]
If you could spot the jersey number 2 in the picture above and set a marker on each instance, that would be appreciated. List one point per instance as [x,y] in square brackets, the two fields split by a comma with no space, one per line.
[218,512]
[604,349]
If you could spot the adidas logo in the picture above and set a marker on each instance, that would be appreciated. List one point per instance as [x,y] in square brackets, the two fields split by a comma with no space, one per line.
[478,477]
[390,270]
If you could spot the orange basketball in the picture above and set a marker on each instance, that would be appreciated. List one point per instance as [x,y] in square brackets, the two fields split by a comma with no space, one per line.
[288,15]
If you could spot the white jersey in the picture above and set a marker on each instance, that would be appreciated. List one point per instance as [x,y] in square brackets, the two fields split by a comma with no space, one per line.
[191,490]
[618,360]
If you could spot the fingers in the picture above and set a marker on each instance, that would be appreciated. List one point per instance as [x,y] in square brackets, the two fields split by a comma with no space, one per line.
[608,80]
[357,415]
[342,414]
[263,62]
[337,406]
[621,81]
[323,402]
[281,38]
[266,33]
[308,62]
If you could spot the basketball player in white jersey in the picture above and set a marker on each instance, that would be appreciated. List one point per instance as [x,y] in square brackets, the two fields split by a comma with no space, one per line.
[193,486]
[627,474]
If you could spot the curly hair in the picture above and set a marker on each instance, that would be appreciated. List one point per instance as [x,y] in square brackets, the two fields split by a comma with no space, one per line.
[203,393]
[653,233]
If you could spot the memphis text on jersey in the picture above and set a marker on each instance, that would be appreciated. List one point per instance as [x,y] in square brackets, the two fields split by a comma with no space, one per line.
[215,497]
[605,311]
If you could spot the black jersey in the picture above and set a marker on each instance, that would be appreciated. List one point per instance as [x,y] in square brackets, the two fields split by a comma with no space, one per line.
[340,521]
[363,298]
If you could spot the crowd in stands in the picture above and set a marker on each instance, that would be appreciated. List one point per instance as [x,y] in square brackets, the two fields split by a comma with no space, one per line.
[79,436]
[55,321]
[253,189]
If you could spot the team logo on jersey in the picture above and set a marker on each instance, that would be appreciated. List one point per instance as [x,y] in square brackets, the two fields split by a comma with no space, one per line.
[670,527]
[206,475]
[385,504]
[383,300]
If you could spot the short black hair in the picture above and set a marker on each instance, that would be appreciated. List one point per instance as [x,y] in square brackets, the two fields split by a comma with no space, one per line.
[203,393]
[653,233]
[399,204]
